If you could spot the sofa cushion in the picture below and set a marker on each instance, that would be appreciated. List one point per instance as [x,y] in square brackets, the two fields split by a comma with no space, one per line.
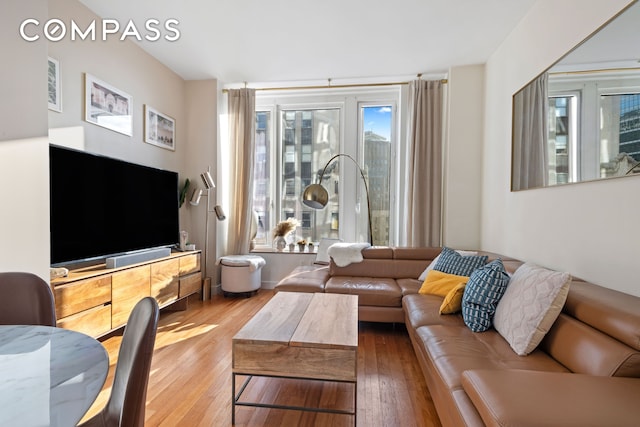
[454,349]
[421,310]
[613,312]
[370,290]
[409,286]
[482,294]
[526,398]
[530,304]
[439,283]
[306,278]
[598,354]
[453,300]
[452,262]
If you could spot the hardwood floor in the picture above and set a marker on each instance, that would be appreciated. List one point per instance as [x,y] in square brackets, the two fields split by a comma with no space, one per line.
[190,380]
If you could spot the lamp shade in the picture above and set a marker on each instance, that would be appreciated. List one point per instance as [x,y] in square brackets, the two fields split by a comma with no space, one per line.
[207,180]
[315,196]
[195,196]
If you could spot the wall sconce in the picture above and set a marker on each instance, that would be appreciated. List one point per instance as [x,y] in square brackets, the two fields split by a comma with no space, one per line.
[315,195]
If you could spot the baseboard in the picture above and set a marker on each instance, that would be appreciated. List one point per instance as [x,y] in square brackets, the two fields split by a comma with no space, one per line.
[128,259]
[268,285]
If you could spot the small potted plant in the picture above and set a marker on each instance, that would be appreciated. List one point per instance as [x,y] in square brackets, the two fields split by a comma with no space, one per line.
[281,231]
[301,244]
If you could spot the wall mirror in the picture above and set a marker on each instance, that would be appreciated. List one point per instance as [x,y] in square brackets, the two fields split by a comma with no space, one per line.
[580,119]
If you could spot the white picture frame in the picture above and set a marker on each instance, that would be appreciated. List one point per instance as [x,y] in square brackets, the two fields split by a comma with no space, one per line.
[53,85]
[107,106]
[159,129]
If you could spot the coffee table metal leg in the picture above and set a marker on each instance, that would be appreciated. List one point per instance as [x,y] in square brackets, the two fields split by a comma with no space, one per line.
[236,397]
[355,403]
[233,399]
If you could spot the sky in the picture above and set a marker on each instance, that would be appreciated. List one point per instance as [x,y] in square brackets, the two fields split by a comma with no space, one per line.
[378,120]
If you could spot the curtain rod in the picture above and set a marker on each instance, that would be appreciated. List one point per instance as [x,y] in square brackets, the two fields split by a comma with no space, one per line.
[602,70]
[330,86]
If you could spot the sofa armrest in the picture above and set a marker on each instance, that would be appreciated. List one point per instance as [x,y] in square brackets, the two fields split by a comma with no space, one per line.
[531,398]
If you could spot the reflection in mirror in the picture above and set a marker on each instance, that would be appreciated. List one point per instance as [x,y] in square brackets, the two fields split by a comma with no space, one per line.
[580,119]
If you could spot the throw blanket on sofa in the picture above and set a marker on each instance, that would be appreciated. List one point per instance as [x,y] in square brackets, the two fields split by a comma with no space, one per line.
[344,254]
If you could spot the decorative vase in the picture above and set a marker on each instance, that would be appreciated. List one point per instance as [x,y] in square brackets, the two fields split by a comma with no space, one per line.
[292,247]
[301,247]
[280,243]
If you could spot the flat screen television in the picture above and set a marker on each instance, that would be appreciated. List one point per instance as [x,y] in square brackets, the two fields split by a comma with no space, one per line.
[100,207]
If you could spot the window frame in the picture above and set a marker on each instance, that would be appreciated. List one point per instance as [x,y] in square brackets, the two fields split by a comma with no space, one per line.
[590,88]
[349,102]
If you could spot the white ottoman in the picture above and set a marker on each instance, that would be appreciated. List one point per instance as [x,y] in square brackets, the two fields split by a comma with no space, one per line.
[241,273]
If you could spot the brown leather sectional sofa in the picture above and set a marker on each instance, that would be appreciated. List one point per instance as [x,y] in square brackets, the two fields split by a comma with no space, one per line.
[585,372]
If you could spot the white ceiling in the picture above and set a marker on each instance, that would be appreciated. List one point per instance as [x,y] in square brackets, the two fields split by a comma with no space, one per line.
[287,40]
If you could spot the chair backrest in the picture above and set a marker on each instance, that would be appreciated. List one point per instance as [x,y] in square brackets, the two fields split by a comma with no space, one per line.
[127,401]
[25,299]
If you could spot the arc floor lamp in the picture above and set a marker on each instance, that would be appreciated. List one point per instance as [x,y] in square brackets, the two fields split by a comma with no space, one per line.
[316,196]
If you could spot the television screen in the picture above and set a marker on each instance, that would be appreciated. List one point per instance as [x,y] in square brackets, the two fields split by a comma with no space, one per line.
[101,206]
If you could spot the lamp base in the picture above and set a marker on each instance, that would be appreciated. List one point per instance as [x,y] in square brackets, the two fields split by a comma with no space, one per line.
[206,288]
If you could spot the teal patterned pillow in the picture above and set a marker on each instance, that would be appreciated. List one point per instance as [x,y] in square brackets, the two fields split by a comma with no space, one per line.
[452,262]
[482,294]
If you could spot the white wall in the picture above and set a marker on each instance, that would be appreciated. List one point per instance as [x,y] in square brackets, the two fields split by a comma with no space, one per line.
[24,174]
[24,169]
[586,229]
[127,67]
[279,265]
[463,150]
[202,116]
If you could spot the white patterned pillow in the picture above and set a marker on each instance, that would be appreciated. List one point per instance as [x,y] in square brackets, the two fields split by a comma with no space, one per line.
[531,303]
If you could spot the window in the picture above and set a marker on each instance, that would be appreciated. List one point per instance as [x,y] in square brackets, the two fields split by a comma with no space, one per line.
[311,137]
[562,138]
[262,175]
[619,133]
[295,138]
[376,136]
[594,127]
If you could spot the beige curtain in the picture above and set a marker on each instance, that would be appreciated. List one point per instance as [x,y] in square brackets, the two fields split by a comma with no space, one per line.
[423,201]
[241,109]
[530,140]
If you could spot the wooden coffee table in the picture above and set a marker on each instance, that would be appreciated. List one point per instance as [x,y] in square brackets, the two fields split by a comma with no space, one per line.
[299,336]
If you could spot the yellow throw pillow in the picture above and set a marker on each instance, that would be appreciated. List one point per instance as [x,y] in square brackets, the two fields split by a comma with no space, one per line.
[453,300]
[439,283]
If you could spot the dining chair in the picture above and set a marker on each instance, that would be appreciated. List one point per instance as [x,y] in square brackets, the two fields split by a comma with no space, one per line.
[126,404]
[25,299]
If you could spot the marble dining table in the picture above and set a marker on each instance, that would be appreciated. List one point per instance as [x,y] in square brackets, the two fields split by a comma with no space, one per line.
[48,376]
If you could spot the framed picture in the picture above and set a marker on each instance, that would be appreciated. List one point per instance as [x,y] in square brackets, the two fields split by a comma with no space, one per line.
[159,129]
[107,106]
[53,84]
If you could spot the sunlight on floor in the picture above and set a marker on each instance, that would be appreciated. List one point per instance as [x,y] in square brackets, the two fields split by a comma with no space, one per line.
[178,331]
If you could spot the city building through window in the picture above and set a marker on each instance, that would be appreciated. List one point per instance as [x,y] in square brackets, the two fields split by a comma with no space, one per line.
[297,136]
